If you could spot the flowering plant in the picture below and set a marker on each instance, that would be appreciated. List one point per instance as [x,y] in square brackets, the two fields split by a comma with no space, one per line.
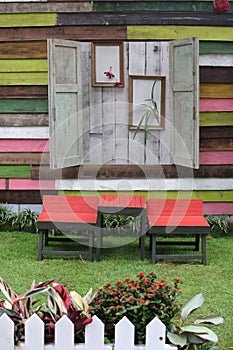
[60,302]
[109,73]
[140,300]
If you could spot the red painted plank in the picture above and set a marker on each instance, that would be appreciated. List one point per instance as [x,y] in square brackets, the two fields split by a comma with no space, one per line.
[188,221]
[23,145]
[122,201]
[68,217]
[28,184]
[181,207]
[216,157]
[2,184]
[216,105]
[218,208]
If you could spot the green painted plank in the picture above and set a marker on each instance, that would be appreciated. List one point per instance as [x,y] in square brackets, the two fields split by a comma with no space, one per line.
[179,32]
[206,196]
[23,105]
[23,65]
[27,19]
[216,119]
[15,171]
[200,6]
[207,47]
[28,78]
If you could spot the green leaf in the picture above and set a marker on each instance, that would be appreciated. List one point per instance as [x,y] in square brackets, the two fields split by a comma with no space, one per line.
[194,303]
[7,291]
[201,331]
[35,291]
[210,320]
[177,339]
[10,313]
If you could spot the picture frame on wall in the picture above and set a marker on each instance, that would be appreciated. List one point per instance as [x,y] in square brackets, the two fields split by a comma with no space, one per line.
[146,102]
[108,64]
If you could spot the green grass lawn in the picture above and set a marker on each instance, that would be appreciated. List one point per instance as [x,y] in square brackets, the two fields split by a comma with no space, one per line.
[19,266]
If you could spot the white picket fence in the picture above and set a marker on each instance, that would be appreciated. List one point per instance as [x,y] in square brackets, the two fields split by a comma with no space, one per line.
[94,335]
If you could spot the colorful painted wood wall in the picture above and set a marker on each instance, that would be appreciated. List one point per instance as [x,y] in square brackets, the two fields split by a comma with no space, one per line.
[24,136]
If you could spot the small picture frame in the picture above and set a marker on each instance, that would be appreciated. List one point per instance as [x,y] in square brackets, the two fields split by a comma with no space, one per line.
[146,102]
[108,64]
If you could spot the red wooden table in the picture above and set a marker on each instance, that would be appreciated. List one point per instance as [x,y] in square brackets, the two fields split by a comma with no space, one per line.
[67,213]
[128,205]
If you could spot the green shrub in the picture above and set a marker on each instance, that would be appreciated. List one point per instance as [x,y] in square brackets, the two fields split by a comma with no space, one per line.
[14,221]
[219,225]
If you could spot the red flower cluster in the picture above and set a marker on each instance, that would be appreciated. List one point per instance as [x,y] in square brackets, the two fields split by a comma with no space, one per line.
[140,300]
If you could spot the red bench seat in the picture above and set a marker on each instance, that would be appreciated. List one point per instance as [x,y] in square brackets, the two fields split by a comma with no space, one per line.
[177,216]
[67,213]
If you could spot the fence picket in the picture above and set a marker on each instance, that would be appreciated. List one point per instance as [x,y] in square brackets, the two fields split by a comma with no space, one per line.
[64,334]
[124,335]
[94,335]
[6,332]
[34,333]
[155,335]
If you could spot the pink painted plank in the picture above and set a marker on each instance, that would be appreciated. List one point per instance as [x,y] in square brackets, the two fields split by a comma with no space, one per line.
[2,185]
[216,104]
[28,184]
[214,208]
[24,145]
[216,157]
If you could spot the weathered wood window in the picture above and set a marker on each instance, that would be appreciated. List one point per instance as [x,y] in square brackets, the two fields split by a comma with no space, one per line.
[90,124]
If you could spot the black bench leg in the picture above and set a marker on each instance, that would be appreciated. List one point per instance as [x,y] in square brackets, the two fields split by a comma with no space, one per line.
[197,242]
[203,249]
[153,248]
[142,247]
[90,247]
[40,248]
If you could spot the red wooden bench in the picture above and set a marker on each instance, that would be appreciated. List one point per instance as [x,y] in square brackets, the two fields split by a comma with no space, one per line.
[74,214]
[177,217]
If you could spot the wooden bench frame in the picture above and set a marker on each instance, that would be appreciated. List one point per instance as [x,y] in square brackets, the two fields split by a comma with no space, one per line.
[67,213]
[77,213]
[177,217]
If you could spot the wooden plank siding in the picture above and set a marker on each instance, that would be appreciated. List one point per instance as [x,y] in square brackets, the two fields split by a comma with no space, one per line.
[24,29]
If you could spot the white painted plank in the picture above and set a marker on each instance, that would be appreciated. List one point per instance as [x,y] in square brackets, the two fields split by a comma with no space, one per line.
[124,335]
[6,332]
[38,132]
[165,134]
[218,60]
[109,126]
[86,86]
[34,333]
[64,334]
[122,111]
[144,184]
[94,335]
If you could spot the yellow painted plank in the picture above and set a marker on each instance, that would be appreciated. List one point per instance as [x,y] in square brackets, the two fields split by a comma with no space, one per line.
[216,90]
[27,19]
[28,78]
[161,32]
[24,65]
[206,196]
[216,119]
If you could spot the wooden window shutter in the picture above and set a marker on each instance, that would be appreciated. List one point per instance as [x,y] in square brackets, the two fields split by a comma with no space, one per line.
[184,99]
[65,104]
